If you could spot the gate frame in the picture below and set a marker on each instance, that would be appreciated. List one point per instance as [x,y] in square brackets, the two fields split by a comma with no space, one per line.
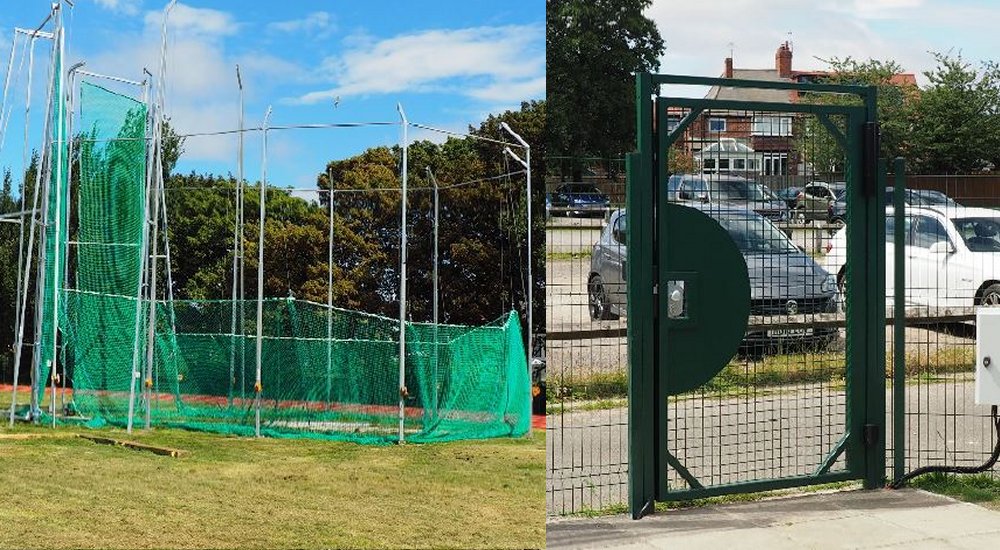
[864,438]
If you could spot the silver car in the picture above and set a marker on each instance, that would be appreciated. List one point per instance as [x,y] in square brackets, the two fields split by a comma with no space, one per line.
[783,279]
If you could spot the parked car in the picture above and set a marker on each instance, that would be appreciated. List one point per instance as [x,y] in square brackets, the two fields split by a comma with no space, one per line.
[783,279]
[912,197]
[728,190]
[579,199]
[790,195]
[952,256]
[814,201]
[687,187]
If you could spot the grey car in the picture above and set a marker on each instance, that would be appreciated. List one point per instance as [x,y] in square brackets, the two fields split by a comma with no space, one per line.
[728,190]
[740,192]
[783,279]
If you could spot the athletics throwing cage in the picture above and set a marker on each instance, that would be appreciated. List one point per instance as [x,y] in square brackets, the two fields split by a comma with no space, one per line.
[266,366]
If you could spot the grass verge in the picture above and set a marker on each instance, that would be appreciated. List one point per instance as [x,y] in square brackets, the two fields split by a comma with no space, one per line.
[563,256]
[233,492]
[981,489]
[772,372]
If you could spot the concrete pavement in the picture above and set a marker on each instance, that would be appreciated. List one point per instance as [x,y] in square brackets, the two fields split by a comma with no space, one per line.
[906,518]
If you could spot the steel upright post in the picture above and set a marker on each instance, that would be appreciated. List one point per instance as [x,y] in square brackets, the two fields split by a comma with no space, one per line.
[260,275]
[899,321]
[237,238]
[329,291]
[60,140]
[402,279]
[144,243]
[531,282]
[24,269]
[434,263]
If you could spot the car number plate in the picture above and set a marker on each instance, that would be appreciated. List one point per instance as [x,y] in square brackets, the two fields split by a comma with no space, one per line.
[790,332]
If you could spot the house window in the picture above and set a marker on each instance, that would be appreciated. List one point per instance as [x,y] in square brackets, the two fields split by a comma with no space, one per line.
[771,125]
[739,164]
[775,163]
[723,164]
[709,164]
[716,125]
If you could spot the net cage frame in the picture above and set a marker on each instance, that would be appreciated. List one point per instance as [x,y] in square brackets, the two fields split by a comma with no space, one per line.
[503,335]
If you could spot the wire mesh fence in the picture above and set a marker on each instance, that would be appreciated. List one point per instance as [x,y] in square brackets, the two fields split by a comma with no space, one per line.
[586,425]
[951,241]
[779,407]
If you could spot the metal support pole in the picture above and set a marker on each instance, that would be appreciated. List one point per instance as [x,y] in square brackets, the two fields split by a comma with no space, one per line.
[60,142]
[260,274]
[140,289]
[68,97]
[155,220]
[329,292]
[241,176]
[402,279]
[434,307]
[43,177]
[23,267]
[531,281]
[237,240]
[899,321]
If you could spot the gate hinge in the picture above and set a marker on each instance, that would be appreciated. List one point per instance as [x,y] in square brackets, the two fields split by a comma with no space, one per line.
[871,435]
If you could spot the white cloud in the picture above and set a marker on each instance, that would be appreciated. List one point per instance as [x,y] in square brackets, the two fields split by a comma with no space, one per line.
[318,24]
[127,7]
[185,20]
[511,91]
[201,93]
[478,60]
[701,48]
[878,9]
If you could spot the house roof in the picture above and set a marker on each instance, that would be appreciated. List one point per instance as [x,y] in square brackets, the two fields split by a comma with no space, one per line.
[753,94]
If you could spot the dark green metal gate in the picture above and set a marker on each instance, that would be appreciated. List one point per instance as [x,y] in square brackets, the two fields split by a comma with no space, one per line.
[796,412]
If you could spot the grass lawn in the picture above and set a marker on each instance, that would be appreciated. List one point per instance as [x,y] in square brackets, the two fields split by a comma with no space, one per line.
[981,489]
[230,492]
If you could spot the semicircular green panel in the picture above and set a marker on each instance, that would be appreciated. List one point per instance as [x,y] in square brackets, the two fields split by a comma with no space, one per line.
[702,254]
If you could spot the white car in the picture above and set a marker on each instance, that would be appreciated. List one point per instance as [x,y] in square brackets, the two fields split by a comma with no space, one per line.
[952,256]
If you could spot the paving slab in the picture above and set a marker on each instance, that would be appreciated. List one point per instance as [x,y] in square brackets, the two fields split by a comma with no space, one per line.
[906,518]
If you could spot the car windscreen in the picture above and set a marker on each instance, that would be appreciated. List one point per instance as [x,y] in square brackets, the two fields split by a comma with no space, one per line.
[736,190]
[979,234]
[756,235]
[925,197]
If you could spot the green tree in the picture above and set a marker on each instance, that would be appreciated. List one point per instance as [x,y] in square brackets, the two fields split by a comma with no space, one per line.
[593,49]
[958,119]
[895,106]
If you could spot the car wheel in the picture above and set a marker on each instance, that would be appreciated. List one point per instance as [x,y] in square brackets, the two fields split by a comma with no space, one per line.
[598,300]
[837,221]
[800,216]
[991,296]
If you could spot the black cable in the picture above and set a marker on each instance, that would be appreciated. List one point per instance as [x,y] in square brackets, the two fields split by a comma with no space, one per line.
[957,469]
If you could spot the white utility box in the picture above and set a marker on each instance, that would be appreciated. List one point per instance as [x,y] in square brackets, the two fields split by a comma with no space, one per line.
[988,356]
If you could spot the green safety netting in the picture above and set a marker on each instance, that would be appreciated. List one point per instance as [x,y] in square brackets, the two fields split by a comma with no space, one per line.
[325,372]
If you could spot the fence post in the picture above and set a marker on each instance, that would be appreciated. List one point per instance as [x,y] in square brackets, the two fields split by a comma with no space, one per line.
[899,321]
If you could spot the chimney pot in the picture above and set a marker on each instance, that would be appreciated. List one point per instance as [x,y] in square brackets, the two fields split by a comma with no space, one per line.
[783,61]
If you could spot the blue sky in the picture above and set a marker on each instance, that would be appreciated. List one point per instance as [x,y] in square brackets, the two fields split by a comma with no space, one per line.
[450,63]
[700,35]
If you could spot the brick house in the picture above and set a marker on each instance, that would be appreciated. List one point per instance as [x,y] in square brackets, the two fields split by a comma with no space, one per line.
[752,142]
